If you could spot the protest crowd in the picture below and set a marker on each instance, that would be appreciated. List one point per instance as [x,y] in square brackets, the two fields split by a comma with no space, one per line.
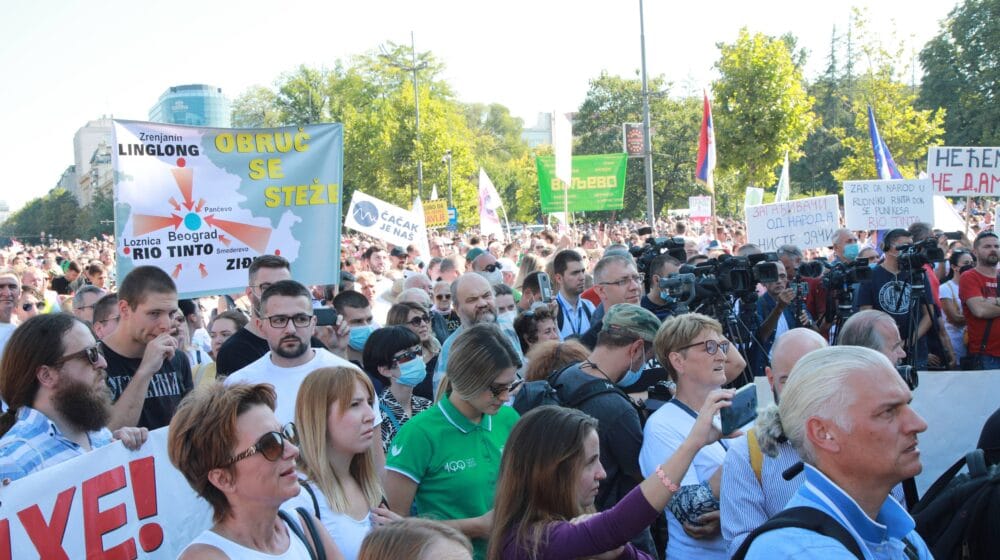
[552,394]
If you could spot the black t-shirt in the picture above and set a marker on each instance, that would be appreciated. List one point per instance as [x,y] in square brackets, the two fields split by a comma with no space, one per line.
[61,286]
[166,389]
[243,349]
[661,311]
[890,293]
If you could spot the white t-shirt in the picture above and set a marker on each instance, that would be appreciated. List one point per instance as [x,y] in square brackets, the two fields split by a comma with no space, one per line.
[286,381]
[6,329]
[664,433]
[346,531]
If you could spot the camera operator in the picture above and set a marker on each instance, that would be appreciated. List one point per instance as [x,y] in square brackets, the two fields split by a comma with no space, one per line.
[940,350]
[660,267]
[778,313]
[808,273]
[890,290]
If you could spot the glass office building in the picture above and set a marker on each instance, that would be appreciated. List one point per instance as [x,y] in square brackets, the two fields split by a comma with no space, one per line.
[194,105]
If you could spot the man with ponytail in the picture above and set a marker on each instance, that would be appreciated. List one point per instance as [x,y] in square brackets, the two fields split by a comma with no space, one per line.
[52,378]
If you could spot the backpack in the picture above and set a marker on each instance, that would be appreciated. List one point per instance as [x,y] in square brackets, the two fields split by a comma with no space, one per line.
[817,521]
[959,516]
[550,392]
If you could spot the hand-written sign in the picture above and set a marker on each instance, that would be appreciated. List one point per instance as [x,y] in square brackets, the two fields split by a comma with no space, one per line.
[970,171]
[806,223]
[436,213]
[701,207]
[890,204]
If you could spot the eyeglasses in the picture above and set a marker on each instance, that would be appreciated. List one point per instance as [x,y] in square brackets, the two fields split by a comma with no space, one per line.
[492,267]
[28,306]
[497,390]
[419,320]
[407,356]
[92,353]
[711,346]
[271,445]
[637,278]
[281,321]
[442,296]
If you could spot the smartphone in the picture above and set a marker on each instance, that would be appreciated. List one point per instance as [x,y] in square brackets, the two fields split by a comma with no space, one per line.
[953,235]
[545,287]
[742,411]
[325,316]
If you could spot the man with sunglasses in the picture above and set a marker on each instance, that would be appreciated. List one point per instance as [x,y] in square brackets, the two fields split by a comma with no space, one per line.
[484,263]
[147,374]
[59,402]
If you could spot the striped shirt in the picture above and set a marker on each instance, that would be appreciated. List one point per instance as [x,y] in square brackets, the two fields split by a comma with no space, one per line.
[34,443]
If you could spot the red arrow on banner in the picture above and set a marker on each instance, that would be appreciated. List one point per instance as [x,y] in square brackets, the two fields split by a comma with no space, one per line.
[201,202]
[177,271]
[184,178]
[201,267]
[173,203]
[143,224]
[225,240]
[253,236]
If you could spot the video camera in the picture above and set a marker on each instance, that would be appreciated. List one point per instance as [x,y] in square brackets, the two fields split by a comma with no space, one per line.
[715,279]
[916,255]
[841,275]
[644,254]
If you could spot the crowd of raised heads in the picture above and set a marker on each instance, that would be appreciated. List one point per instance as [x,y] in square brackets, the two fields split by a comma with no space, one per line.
[547,394]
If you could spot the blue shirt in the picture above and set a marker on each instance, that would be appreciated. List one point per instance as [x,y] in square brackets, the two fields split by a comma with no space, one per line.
[34,443]
[442,362]
[881,538]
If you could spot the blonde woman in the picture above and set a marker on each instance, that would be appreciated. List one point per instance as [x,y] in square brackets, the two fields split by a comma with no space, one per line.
[333,413]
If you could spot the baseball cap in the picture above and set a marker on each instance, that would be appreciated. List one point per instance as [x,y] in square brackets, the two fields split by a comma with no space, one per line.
[475,252]
[630,319]
[398,252]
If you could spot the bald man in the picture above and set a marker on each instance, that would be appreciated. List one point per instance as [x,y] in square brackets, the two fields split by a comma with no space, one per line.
[751,494]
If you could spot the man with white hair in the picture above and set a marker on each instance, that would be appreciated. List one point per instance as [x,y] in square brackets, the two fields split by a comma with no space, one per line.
[847,413]
[753,488]
[876,330]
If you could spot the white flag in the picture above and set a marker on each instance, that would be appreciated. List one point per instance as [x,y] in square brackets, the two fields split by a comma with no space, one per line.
[422,243]
[434,192]
[489,202]
[781,194]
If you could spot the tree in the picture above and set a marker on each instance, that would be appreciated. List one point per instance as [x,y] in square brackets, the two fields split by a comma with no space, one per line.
[761,106]
[962,73]
[256,108]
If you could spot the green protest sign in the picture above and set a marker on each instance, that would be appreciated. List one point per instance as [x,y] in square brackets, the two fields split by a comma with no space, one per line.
[598,183]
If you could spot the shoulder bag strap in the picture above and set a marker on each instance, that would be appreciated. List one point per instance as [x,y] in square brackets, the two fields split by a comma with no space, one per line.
[305,486]
[293,526]
[810,519]
[313,532]
[756,456]
[986,337]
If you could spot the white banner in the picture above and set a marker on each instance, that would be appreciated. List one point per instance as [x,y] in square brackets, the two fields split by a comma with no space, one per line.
[890,204]
[969,171]
[384,221]
[806,223]
[701,206]
[754,197]
[109,503]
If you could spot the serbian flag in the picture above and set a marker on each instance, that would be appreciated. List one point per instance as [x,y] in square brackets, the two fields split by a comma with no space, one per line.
[706,149]
[884,166]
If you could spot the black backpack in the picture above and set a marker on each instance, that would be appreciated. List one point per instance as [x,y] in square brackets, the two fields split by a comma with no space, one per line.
[550,392]
[816,521]
[959,516]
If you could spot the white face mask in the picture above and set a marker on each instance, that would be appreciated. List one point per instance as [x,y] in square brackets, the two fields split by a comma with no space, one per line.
[494,278]
[507,317]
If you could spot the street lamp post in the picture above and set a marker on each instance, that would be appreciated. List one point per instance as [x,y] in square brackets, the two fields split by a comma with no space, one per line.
[647,155]
[447,159]
[416,104]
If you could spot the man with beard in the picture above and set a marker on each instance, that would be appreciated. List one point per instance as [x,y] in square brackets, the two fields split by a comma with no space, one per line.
[52,376]
[980,304]
[287,322]
[475,303]
[147,374]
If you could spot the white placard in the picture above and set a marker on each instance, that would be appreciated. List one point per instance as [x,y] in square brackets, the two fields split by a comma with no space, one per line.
[890,204]
[701,206]
[968,171]
[384,221]
[754,196]
[806,223]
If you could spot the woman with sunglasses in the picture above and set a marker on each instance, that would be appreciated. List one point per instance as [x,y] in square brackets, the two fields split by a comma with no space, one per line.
[445,461]
[234,453]
[694,351]
[416,318]
[395,354]
[333,413]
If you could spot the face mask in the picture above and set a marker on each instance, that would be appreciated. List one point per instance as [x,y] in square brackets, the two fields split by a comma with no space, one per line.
[965,269]
[494,278]
[631,377]
[851,251]
[411,373]
[358,337]
[507,317]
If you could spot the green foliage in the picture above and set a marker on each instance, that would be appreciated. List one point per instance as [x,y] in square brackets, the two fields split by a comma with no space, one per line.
[59,215]
[612,101]
[256,108]
[962,73]
[761,107]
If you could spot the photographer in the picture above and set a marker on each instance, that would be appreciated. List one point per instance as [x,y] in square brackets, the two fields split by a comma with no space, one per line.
[661,266]
[890,289]
[809,273]
[778,313]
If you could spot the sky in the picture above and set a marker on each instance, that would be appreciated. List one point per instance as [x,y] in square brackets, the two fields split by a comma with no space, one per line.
[66,62]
